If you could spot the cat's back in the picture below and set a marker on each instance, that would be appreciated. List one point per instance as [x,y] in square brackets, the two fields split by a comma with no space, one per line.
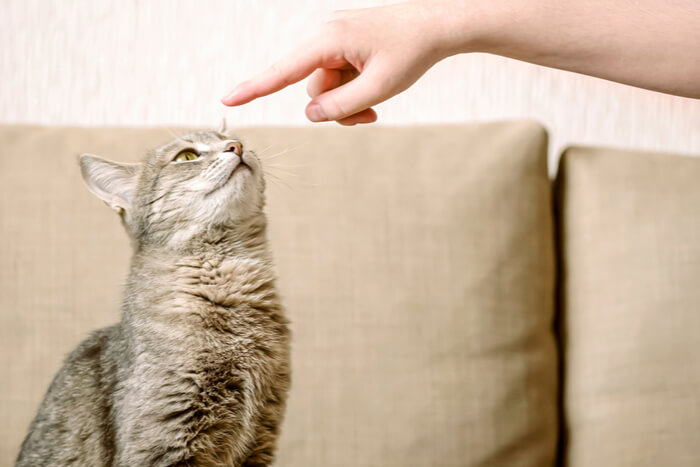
[73,425]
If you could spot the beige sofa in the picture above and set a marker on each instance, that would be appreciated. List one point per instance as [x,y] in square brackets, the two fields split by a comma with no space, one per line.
[451,306]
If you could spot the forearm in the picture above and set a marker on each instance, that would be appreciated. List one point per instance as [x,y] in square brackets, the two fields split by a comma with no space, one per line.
[651,44]
[363,57]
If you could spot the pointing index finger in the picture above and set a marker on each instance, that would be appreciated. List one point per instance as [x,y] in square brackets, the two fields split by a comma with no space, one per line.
[292,68]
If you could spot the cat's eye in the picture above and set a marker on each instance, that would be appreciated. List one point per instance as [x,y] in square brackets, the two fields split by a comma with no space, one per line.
[186,155]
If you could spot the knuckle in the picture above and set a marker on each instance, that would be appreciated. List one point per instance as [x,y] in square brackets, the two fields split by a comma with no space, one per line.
[335,29]
[338,14]
[382,83]
[277,70]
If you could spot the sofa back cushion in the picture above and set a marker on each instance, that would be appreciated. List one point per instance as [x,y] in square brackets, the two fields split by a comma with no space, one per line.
[416,265]
[630,236]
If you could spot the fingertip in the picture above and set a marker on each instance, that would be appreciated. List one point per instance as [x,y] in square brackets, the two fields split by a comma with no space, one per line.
[366,116]
[235,97]
[371,115]
[315,113]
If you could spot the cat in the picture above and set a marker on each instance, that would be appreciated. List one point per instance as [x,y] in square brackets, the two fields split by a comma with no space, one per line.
[197,371]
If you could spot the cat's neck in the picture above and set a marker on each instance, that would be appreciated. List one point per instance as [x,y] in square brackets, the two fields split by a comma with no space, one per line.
[219,266]
[247,239]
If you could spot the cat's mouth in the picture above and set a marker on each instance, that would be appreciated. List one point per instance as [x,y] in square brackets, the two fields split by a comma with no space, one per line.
[241,164]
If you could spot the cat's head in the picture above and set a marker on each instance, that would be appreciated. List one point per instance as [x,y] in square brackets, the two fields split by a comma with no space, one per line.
[200,181]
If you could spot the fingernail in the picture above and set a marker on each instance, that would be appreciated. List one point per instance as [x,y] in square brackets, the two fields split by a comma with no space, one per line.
[231,95]
[315,113]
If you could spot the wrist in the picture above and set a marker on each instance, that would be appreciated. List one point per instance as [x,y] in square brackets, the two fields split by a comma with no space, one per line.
[457,26]
[490,26]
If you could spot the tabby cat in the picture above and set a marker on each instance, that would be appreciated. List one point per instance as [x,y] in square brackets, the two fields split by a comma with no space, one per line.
[197,371]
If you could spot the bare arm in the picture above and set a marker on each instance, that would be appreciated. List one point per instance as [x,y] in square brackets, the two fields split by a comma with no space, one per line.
[363,57]
[652,44]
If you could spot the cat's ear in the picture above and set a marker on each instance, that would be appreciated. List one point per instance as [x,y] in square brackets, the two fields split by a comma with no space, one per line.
[222,126]
[112,182]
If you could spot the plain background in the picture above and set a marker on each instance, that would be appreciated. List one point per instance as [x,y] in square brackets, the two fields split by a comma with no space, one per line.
[167,62]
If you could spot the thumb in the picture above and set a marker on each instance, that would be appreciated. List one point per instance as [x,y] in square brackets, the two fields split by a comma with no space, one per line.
[361,93]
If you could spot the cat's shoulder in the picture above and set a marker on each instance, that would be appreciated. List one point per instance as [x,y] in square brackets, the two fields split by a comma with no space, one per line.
[97,350]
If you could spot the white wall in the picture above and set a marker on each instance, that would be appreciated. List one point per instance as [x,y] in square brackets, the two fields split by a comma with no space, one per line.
[167,62]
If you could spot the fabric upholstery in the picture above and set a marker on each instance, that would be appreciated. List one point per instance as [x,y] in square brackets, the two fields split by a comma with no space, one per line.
[416,264]
[629,226]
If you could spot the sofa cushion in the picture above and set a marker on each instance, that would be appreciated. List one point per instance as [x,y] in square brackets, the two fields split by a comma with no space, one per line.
[630,230]
[416,265]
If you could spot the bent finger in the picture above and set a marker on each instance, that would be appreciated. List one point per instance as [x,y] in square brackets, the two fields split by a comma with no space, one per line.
[324,79]
[366,116]
[353,97]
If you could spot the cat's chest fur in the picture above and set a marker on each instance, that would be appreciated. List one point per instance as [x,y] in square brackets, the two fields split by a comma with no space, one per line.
[207,305]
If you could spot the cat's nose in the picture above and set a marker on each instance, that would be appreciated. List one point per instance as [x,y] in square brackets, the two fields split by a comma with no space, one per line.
[235,147]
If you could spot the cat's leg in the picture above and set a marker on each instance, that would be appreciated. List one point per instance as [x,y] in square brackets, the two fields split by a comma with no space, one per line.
[72,426]
[262,452]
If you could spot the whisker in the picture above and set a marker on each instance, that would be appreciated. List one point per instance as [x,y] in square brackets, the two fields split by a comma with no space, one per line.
[304,166]
[262,151]
[297,181]
[284,151]
[275,180]
[275,155]
[285,172]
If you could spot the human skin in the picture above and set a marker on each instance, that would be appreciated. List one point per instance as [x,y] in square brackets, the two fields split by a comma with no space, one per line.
[362,57]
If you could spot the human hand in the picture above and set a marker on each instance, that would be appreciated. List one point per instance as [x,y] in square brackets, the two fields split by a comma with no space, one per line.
[363,57]
[358,59]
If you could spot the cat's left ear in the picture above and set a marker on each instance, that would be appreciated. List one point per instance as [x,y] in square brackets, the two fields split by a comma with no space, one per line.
[112,182]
